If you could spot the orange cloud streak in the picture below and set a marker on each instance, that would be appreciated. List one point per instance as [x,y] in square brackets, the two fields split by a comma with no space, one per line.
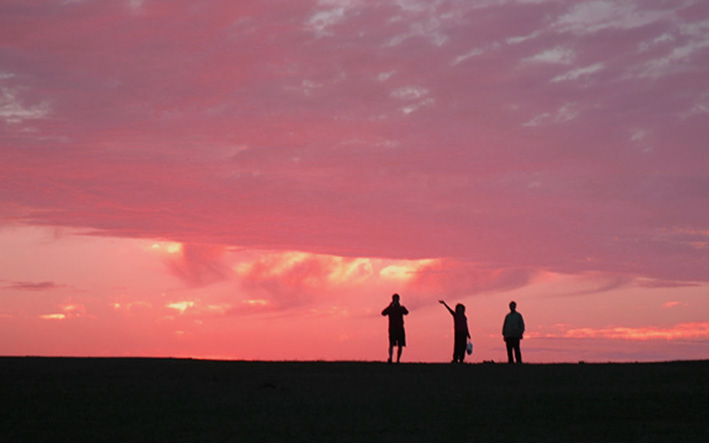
[683,331]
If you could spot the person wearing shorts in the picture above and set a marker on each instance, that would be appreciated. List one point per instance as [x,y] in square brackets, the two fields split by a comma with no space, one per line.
[397,334]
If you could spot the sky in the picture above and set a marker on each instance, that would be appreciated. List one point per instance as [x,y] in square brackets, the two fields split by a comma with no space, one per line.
[254,179]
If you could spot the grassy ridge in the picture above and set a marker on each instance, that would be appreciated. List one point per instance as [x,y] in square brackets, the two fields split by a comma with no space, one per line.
[47,399]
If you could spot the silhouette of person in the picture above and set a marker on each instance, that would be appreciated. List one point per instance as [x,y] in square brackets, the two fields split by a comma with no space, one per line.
[461,331]
[512,331]
[397,335]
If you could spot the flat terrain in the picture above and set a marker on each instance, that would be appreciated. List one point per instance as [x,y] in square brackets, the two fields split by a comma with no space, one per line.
[97,399]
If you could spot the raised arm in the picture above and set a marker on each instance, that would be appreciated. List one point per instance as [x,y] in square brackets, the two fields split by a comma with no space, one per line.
[447,307]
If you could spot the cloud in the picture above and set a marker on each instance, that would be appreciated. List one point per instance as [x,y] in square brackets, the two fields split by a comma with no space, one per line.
[567,112]
[180,306]
[427,20]
[416,106]
[574,74]
[13,110]
[694,38]
[329,14]
[475,52]
[272,281]
[409,92]
[384,76]
[472,53]
[456,279]
[293,278]
[557,55]
[701,106]
[522,38]
[70,311]
[32,286]
[132,307]
[269,138]
[52,316]
[660,40]
[682,331]
[198,264]
[322,20]
[597,283]
[593,16]
[653,283]
[538,119]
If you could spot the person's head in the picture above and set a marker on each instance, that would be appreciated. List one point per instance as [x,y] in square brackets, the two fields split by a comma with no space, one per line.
[460,309]
[513,306]
[395,299]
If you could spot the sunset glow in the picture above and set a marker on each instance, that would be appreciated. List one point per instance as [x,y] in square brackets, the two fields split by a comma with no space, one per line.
[254,179]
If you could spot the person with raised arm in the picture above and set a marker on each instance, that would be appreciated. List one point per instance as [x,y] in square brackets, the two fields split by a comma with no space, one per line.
[460,327]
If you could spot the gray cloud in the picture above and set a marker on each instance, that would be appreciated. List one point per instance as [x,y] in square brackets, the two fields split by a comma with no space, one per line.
[32,286]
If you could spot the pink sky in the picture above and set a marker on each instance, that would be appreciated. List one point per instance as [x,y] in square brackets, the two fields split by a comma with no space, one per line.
[254,179]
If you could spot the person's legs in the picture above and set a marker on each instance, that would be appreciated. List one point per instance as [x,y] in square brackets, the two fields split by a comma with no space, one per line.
[459,348]
[518,352]
[391,352]
[401,342]
[508,343]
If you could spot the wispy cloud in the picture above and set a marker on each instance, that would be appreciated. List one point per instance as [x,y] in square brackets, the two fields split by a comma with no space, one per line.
[33,286]
[14,110]
[557,55]
[567,112]
[593,16]
[322,20]
[579,72]
[683,331]
[455,279]
[69,312]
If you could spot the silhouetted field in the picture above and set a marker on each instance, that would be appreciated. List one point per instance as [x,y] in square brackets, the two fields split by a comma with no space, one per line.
[96,399]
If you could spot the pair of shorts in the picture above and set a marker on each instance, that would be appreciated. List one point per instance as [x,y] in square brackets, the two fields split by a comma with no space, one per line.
[397,337]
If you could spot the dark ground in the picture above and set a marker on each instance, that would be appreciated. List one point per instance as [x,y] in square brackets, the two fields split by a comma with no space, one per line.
[121,400]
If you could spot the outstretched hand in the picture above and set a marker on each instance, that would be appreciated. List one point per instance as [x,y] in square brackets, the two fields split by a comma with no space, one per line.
[441,302]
